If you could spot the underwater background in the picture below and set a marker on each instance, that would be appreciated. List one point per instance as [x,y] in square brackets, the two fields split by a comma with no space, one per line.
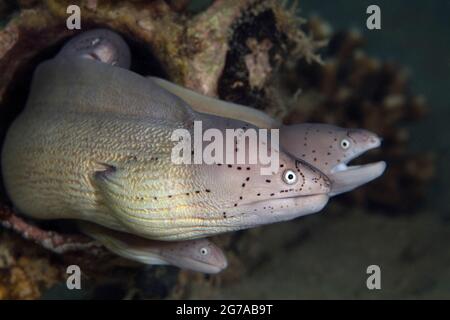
[411,248]
[401,223]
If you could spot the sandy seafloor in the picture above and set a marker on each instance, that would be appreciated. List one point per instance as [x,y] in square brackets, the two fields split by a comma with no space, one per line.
[325,256]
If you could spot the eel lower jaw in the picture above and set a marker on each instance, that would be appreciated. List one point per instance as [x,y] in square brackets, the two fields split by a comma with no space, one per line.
[375,142]
[285,209]
[346,178]
[194,265]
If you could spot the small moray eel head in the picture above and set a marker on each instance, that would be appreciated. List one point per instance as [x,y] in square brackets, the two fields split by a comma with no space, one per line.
[330,148]
[101,45]
[198,255]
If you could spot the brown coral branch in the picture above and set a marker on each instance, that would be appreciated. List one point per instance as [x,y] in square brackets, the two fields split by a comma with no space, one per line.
[50,240]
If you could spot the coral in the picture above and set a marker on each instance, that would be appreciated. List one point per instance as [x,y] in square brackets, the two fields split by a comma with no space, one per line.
[50,240]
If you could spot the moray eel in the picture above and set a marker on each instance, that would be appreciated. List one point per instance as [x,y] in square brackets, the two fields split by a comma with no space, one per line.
[198,255]
[330,148]
[94,143]
[326,147]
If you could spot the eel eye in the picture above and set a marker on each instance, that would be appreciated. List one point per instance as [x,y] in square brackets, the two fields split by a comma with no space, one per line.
[345,144]
[203,251]
[290,177]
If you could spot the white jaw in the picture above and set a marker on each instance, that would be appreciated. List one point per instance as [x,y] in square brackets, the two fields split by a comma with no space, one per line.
[345,178]
[340,167]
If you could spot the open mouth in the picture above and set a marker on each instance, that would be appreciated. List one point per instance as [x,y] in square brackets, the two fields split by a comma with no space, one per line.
[345,178]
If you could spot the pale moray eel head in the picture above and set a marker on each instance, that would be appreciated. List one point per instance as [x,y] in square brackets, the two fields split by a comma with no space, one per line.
[198,255]
[330,149]
[250,198]
[101,45]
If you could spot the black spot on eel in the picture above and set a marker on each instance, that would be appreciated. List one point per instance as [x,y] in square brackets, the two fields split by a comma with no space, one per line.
[198,255]
[328,148]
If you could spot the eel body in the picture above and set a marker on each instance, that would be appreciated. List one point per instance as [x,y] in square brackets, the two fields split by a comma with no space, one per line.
[94,143]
